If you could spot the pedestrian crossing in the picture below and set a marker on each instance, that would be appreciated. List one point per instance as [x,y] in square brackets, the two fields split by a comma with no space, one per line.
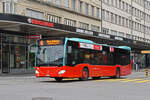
[126,80]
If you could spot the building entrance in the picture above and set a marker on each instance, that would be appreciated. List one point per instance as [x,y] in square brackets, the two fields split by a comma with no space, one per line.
[5,58]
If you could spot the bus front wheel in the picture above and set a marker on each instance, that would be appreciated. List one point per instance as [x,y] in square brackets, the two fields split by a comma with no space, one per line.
[85,75]
[58,79]
[117,73]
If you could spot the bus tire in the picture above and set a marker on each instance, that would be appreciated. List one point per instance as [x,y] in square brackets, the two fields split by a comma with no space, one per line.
[58,79]
[85,75]
[117,73]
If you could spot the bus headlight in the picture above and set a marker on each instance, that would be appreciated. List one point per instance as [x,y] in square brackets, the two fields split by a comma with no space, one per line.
[62,72]
[36,72]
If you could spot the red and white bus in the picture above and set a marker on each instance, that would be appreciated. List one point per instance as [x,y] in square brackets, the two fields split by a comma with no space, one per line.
[80,58]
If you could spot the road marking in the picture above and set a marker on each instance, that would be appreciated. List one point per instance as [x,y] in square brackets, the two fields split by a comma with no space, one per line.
[138,80]
[111,80]
[143,81]
[131,80]
[116,80]
[70,79]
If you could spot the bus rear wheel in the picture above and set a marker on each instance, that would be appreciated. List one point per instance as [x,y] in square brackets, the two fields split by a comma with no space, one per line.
[58,79]
[85,75]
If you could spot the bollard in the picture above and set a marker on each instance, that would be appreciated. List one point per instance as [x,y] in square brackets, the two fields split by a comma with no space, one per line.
[146,72]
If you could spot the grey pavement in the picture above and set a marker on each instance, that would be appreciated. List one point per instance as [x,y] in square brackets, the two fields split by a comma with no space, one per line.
[27,87]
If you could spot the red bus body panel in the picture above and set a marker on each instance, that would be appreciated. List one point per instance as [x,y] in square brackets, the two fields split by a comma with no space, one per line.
[76,71]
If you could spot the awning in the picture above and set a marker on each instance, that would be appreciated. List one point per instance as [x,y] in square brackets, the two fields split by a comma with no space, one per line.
[25,24]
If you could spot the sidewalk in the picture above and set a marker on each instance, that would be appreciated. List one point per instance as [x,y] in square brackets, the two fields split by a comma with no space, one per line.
[139,74]
[20,73]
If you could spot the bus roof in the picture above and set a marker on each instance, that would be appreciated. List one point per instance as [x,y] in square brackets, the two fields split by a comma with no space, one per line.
[125,47]
[80,40]
[91,42]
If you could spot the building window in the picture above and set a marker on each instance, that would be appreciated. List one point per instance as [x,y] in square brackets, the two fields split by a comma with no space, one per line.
[80,6]
[121,34]
[86,8]
[113,32]
[92,10]
[97,12]
[95,28]
[112,18]
[119,4]
[53,18]
[70,22]
[107,16]
[103,14]
[105,30]
[128,36]
[83,25]
[74,4]
[49,1]
[8,7]
[119,20]
[115,19]
[66,3]
[58,2]
[34,14]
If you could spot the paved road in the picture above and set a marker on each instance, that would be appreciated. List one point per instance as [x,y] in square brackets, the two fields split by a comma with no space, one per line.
[26,87]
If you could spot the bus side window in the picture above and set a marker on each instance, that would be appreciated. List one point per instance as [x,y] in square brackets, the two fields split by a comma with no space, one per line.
[110,58]
[72,54]
[105,58]
[72,57]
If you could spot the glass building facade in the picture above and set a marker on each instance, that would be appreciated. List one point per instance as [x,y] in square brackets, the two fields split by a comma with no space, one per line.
[15,53]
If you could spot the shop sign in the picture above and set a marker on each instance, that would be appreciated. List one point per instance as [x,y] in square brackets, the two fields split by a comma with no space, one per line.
[104,35]
[84,31]
[119,38]
[40,22]
[33,37]
[145,51]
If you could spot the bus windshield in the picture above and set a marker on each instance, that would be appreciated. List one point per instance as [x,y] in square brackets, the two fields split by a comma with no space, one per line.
[51,55]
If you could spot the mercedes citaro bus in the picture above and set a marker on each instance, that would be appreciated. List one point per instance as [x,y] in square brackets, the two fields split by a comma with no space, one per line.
[80,58]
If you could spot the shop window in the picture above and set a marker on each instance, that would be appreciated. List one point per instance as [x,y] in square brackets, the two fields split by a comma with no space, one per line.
[20,57]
